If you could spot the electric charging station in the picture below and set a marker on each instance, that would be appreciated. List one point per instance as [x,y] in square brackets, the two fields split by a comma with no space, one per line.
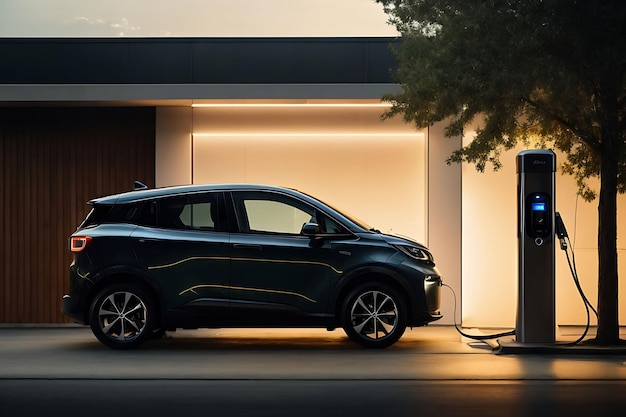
[536,247]
[539,225]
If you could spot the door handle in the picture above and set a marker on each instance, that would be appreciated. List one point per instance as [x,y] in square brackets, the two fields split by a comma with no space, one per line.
[149,239]
[246,246]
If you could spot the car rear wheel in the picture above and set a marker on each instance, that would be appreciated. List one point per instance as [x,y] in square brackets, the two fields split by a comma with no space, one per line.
[374,315]
[123,316]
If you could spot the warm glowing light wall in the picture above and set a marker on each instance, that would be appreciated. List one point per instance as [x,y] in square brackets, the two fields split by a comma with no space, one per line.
[343,154]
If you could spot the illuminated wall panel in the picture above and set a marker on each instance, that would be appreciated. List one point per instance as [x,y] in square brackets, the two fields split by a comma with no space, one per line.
[346,156]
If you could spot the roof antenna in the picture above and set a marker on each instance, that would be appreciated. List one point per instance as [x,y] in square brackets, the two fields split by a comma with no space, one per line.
[138,185]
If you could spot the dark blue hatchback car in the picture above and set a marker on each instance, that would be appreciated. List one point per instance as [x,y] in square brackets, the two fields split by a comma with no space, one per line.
[239,255]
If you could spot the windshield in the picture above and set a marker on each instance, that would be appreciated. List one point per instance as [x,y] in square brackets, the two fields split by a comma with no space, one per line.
[344,213]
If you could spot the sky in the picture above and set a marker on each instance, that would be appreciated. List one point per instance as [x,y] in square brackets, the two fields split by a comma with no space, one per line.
[192,18]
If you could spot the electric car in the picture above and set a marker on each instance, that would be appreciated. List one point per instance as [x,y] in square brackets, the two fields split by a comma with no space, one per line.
[240,255]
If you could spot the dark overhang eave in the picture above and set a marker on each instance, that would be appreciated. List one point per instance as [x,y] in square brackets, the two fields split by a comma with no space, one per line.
[185,93]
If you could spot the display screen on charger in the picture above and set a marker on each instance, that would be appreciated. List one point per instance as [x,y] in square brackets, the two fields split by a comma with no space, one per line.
[539,206]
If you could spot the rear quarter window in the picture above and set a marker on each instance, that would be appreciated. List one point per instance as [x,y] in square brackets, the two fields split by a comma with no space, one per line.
[143,214]
[97,215]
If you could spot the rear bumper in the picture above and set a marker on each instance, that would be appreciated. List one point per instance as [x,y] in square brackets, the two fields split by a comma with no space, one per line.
[70,307]
[75,303]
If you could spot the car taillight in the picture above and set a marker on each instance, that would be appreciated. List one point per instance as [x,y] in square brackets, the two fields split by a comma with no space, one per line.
[78,243]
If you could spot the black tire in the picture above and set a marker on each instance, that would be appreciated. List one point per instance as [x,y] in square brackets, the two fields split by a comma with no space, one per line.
[374,315]
[123,316]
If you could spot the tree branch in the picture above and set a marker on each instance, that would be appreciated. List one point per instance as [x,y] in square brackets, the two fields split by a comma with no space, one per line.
[588,139]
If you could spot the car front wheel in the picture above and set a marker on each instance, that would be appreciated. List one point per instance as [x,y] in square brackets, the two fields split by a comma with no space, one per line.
[374,316]
[122,316]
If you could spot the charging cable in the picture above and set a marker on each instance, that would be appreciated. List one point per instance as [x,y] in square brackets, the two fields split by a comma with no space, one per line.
[561,233]
[475,337]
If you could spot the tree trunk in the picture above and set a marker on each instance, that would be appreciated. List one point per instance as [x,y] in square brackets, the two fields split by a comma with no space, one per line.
[608,319]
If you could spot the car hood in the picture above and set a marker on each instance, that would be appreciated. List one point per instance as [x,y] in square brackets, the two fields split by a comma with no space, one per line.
[401,240]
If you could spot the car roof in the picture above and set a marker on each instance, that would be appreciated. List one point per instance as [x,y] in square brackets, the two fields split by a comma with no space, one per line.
[154,193]
[144,194]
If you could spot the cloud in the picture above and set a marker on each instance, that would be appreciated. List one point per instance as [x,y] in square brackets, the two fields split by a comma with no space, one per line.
[102,27]
[83,19]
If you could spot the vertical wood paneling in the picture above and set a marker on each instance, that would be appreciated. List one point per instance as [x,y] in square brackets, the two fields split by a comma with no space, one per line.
[52,161]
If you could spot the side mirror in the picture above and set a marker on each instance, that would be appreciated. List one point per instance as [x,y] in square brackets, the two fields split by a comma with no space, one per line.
[310,229]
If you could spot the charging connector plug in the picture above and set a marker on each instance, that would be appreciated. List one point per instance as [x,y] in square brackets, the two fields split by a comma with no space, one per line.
[561,231]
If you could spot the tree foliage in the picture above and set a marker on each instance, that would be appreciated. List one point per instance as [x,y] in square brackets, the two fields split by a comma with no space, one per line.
[547,71]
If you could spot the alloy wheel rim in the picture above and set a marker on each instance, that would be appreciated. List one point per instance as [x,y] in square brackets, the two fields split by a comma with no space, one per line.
[122,316]
[374,315]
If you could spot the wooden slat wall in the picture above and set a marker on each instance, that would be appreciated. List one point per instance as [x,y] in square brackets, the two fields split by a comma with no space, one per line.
[52,160]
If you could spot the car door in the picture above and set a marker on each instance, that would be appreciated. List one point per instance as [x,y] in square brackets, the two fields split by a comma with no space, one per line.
[187,252]
[278,275]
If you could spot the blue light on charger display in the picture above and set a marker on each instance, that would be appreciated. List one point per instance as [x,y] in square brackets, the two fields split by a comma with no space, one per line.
[539,206]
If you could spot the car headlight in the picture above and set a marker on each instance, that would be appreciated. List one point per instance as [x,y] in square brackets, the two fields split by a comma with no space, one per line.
[416,252]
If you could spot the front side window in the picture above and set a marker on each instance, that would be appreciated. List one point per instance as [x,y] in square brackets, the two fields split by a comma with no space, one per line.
[259,212]
[264,212]
[275,217]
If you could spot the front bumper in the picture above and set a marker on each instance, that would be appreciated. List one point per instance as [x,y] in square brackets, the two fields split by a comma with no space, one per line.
[432,292]
[424,283]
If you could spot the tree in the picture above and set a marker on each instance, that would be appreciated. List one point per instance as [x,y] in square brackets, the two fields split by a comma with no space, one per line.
[546,70]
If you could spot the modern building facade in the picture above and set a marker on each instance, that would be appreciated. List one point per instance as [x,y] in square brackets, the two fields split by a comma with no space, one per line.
[81,118]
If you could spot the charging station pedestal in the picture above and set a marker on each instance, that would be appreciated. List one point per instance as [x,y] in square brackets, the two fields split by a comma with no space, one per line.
[536,247]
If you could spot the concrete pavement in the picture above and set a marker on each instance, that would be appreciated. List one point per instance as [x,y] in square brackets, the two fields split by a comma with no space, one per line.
[429,353]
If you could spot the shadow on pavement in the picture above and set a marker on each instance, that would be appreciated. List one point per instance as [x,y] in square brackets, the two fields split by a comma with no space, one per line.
[256,340]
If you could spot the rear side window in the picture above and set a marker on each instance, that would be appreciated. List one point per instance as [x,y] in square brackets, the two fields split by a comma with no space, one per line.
[198,216]
[199,212]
